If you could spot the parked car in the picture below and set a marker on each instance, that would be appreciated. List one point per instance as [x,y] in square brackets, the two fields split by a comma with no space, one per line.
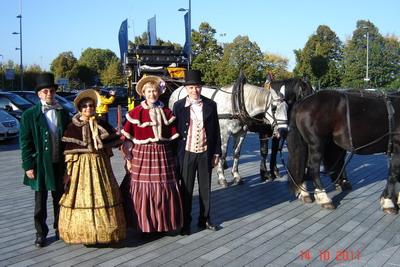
[14,104]
[70,97]
[32,97]
[8,126]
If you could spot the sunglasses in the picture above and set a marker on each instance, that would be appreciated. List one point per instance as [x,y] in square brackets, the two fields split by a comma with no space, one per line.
[87,106]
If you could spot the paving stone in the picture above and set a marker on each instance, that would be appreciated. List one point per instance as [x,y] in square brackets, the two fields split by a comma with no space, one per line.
[262,224]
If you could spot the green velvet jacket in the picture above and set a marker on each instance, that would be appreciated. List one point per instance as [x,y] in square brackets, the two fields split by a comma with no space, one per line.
[35,145]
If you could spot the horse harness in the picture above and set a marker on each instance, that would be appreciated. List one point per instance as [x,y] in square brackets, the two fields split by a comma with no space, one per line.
[390,133]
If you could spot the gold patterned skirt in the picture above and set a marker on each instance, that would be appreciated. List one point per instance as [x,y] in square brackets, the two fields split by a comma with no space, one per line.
[91,208]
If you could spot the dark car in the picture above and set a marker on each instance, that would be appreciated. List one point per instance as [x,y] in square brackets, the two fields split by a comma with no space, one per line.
[32,97]
[14,104]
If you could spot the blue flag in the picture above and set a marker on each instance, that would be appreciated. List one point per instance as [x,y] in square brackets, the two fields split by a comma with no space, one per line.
[123,39]
[186,47]
[151,31]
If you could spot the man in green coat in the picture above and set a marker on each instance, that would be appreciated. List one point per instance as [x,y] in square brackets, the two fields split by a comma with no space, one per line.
[41,130]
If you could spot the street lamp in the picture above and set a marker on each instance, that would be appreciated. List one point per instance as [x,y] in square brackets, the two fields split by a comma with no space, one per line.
[190,31]
[366,74]
[21,69]
[2,74]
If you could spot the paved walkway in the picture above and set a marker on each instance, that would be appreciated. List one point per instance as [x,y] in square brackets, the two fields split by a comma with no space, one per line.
[262,224]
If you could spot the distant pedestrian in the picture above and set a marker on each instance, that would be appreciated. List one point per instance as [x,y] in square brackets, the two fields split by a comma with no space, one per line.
[41,130]
[102,109]
[91,208]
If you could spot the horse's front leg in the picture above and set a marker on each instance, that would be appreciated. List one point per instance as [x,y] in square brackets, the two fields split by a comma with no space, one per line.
[273,169]
[238,140]
[313,169]
[265,177]
[388,198]
[222,160]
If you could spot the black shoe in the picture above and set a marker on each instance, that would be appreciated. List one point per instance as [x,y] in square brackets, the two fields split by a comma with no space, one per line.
[208,226]
[40,241]
[56,235]
[185,231]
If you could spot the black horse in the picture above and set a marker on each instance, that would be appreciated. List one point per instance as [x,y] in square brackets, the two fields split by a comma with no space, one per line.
[291,90]
[330,123]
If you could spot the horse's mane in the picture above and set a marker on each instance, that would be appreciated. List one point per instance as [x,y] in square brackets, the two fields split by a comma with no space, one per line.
[255,96]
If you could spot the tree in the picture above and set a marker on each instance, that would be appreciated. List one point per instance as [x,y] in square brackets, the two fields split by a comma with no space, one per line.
[243,55]
[383,58]
[30,75]
[324,43]
[277,65]
[64,66]
[319,67]
[206,52]
[112,75]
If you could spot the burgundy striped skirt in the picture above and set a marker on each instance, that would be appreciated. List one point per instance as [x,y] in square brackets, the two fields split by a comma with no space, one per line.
[154,198]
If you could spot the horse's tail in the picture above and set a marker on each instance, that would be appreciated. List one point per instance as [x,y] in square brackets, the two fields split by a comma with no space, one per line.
[297,155]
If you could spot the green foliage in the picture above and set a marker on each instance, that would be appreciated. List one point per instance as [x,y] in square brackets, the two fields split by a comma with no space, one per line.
[64,66]
[243,55]
[206,52]
[112,75]
[277,65]
[383,58]
[319,65]
[323,44]
[97,59]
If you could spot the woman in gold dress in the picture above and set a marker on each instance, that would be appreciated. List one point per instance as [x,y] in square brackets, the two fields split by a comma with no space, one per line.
[91,209]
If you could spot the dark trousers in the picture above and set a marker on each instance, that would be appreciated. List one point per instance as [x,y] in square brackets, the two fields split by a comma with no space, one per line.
[40,215]
[192,163]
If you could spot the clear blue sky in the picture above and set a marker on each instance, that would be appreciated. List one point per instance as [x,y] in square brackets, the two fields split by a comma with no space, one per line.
[50,27]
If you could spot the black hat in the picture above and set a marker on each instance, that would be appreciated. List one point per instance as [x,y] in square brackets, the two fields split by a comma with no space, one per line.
[192,77]
[45,80]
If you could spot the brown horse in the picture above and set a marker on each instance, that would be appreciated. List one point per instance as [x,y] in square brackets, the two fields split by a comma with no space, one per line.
[331,123]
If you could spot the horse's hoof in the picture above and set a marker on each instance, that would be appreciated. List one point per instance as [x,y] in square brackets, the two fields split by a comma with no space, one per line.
[306,199]
[223,182]
[265,177]
[266,180]
[276,174]
[344,186]
[390,211]
[238,181]
[328,206]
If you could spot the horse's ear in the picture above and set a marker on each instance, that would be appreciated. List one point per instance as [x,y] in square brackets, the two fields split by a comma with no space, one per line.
[307,78]
[241,78]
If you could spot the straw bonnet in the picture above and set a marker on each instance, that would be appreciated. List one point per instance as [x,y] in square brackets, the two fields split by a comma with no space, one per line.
[150,78]
[90,93]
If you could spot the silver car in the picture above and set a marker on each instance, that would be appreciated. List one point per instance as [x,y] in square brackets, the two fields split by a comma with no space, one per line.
[8,126]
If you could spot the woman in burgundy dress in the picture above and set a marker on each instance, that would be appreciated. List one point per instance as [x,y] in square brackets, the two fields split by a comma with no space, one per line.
[154,202]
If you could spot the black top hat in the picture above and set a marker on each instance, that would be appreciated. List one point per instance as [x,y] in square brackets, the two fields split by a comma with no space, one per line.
[45,80]
[192,77]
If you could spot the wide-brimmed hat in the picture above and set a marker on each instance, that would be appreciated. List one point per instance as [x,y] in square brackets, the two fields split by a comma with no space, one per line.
[89,93]
[192,77]
[45,80]
[150,78]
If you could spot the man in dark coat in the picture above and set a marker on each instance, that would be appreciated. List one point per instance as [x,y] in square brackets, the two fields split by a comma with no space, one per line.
[198,149]
[41,130]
